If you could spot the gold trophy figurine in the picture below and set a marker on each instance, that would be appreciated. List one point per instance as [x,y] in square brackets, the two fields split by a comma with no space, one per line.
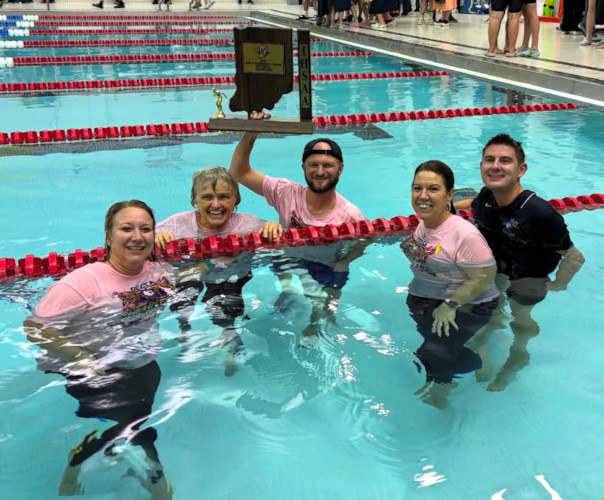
[219,95]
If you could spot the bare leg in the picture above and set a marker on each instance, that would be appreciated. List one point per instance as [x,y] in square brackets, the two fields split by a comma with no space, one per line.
[512,31]
[524,328]
[590,19]
[435,394]
[527,28]
[495,19]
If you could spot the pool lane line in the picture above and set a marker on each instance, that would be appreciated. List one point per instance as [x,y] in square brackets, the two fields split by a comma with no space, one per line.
[147,58]
[105,32]
[189,128]
[204,248]
[33,25]
[80,86]
[43,17]
[129,43]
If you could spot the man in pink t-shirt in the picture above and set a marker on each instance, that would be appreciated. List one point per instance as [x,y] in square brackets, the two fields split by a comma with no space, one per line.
[316,204]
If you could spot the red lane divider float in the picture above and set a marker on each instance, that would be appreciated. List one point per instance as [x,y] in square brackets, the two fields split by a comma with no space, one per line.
[135,18]
[139,22]
[130,43]
[149,58]
[361,119]
[111,85]
[127,131]
[189,248]
[131,31]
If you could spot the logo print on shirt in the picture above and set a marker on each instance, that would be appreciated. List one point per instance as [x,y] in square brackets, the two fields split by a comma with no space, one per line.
[146,297]
[510,228]
[418,251]
[296,222]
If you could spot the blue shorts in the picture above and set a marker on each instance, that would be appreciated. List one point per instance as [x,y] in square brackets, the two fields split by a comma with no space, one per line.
[321,273]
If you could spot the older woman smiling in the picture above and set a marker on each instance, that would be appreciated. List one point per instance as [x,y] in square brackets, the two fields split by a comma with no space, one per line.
[215,195]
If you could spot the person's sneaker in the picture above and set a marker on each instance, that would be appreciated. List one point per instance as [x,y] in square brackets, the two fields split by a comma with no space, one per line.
[119,5]
[531,53]
[98,5]
[511,54]
[452,19]
[595,37]
[430,20]
[441,23]
[582,29]
[586,41]
[380,27]
[303,18]
[421,20]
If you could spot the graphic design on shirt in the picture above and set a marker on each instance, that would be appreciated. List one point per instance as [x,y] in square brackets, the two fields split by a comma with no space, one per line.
[418,251]
[511,229]
[142,299]
[296,222]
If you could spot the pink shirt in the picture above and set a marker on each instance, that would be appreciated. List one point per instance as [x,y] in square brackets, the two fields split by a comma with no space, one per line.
[184,225]
[289,199]
[111,315]
[439,256]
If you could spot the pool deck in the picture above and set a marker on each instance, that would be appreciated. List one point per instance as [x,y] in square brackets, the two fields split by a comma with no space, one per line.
[564,69]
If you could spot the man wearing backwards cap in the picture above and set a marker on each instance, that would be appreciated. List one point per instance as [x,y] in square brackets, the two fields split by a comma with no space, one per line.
[297,205]
[316,204]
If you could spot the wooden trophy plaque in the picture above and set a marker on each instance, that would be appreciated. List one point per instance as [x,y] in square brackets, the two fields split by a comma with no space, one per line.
[264,72]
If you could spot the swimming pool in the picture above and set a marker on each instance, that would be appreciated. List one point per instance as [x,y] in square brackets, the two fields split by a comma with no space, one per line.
[340,420]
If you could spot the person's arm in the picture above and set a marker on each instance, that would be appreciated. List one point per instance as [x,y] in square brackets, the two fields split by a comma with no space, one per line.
[240,167]
[479,281]
[52,341]
[572,260]
[341,265]
[463,204]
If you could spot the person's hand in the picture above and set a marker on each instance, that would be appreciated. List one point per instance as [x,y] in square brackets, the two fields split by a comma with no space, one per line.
[161,239]
[271,230]
[444,316]
[259,115]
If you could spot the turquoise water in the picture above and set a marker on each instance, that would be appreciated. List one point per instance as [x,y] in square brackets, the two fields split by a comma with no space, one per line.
[340,420]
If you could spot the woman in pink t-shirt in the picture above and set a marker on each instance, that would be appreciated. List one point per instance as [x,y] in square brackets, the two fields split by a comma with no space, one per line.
[98,327]
[452,294]
[215,196]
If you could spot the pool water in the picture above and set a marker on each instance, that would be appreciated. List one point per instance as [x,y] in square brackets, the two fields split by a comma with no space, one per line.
[340,420]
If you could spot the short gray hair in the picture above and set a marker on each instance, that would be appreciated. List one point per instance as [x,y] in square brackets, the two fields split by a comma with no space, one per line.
[211,175]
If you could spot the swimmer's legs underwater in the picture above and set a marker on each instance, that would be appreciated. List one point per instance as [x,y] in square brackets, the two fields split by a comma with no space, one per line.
[126,397]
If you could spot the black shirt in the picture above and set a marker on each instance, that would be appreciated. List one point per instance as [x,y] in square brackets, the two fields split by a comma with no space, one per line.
[525,235]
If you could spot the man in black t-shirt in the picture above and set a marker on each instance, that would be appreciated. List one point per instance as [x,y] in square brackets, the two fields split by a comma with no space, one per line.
[529,240]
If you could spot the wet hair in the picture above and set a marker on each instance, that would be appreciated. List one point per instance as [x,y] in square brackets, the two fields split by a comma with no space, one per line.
[443,170]
[112,212]
[506,140]
[211,175]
